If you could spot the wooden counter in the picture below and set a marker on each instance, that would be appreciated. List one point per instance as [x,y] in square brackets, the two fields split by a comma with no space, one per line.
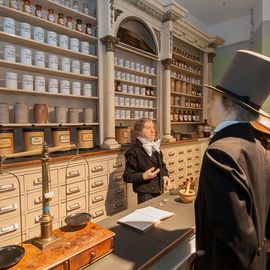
[135,250]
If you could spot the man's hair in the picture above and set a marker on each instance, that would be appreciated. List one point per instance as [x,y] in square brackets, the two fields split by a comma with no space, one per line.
[139,125]
[243,114]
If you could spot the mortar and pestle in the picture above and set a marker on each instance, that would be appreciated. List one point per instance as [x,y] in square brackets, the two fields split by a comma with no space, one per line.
[187,195]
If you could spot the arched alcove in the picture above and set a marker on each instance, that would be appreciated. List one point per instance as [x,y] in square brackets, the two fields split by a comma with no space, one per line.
[134,32]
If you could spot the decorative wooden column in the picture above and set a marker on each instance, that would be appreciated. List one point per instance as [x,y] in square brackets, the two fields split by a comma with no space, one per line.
[109,109]
[166,95]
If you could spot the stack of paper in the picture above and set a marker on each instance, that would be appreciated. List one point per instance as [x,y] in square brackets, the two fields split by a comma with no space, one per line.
[145,218]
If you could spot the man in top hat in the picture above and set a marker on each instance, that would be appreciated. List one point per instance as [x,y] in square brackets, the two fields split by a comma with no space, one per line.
[232,205]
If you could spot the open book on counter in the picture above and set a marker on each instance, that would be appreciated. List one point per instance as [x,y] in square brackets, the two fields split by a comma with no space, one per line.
[145,218]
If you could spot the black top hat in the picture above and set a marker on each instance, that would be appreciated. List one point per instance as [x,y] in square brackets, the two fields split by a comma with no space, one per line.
[247,80]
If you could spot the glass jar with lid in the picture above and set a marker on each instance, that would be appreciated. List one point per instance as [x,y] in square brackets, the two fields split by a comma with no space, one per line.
[85,8]
[27,6]
[60,19]
[75,5]
[88,29]
[13,4]
[50,15]
[69,22]
[79,25]
[38,11]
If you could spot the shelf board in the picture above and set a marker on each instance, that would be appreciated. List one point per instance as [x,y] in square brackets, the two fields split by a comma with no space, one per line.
[135,107]
[186,95]
[131,119]
[35,93]
[196,84]
[46,71]
[134,95]
[187,71]
[137,51]
[134,71]
[58,8]
[181,57]
[135,84]
[14,125]
[29,43]
[187,108]
[33,20]
[186,123]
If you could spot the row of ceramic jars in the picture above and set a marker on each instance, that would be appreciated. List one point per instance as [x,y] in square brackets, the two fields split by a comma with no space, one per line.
[21,114]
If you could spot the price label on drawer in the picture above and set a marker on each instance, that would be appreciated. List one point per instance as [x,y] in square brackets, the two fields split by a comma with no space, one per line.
[49,195]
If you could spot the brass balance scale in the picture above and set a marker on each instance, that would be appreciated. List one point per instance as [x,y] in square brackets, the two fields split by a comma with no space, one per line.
[10,255]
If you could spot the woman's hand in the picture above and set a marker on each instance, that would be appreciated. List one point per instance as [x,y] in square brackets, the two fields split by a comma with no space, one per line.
[150,173]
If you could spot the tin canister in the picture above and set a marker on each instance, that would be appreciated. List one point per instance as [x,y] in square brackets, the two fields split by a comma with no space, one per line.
[122,134]
[9,25]
[6,142]
[10,53]
[60,136]
[85,137]
[33,138]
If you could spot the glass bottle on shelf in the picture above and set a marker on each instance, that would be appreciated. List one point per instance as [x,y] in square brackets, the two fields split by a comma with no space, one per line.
[85,9]
[198,117]
[189,116]
[69,22]
[88,29]
[13,4]
[50,15]
[181,116]
[206,129]
[79,25]
[75,6]
[185,117]
[194,117]
[67,3]
[175,116]
[27,6]
[38,11]
[118,87]
[60,19]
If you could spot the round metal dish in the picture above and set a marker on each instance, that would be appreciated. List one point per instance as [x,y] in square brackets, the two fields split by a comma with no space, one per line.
[10,255]
[78,219]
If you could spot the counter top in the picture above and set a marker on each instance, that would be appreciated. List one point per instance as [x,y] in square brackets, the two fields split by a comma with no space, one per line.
[137,250]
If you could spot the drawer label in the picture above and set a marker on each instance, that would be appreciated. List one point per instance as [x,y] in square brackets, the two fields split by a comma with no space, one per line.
[87,137]
[36,140]
[64,139]
[5,142]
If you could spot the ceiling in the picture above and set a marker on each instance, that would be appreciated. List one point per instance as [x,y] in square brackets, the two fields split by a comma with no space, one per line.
[213,12]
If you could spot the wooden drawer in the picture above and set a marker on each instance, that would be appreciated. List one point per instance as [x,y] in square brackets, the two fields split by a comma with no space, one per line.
[99,213]
[98,168]
[34,199]
[15,240]
[171,153]
[74,206]
[116,165]
[73,190]
[98,183]
[90,255]
[36,232]
[97,198]
[116,179]
[118,205]
[9,186]
[171,162]
[116,192]
[73,173]
[34,180]
[11,227]
[33,217]
[11,207]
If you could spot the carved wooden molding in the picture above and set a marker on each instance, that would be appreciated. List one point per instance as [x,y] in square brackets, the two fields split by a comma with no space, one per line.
[109,41]
[167,63]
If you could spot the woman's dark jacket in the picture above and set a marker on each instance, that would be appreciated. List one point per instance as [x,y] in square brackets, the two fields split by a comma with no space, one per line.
[232,206]
[137,162]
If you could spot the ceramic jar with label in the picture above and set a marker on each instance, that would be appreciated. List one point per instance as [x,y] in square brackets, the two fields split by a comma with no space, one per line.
[40,59]
[6,142]
[21,113]
[33,138]
[40,84]
[53,61]
[65,87]
[53,85]
[88,115]
[76,88]
[51,38]
[9,53]
[75,67]
[60,136]
[84,137]
[85,47]
[27,82]
[74,44]
[65,64]
[38,34]
[9,25]
[26,56]
[86,69]
[40,113]
[87,89]
[73,115]
[4,113]
[63,41]
[60,114]
[11,80]
[25,30]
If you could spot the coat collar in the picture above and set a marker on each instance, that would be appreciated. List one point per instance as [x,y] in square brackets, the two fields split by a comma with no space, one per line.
[239,130]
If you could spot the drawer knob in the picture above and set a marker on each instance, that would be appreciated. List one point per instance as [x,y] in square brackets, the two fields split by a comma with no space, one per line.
[7,187]
[171,154]
[98,199]
[98,214]
[97,168]
[171,162]
[73,190]
[74,206]
[117,164]
[73,174]
[92,255]
[97,183]
[8,208]
[10,228]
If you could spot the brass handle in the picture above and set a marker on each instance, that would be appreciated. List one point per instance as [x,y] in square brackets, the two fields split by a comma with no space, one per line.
[189,158]
[172,178]
[189,165]
[98,213]
[8,208]
[73,174]
[180,176]
[189,150]
[171,154]
[74,206]
[197,149]
[97,183]
[180,168]
[189,173]
[97,168]
[92,255]
[171,162]
[180,160]
[7,187]
[8,229]
[74,190]
[117,164]
[171,171]
[98,199]
[181,152]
